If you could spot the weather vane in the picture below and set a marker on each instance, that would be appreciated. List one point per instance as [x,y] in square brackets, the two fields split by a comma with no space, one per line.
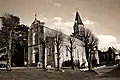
[76,9]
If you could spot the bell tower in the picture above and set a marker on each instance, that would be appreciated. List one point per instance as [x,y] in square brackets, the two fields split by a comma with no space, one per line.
[78,25]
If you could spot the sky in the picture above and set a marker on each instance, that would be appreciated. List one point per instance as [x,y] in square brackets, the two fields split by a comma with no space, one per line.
[101,16]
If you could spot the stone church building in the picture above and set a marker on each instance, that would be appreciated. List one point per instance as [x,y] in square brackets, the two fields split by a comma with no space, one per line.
[39,52]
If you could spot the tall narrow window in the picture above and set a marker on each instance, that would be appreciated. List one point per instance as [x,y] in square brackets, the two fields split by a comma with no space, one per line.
[66,52]
[36,38]
[33,38]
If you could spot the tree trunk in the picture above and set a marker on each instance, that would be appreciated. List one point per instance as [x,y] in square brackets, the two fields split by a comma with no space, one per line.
[8,67]
[72,64]
[90,66]
[89,63]
[54,57]
[58,62]
[113,58]
[88,57]
[78,63]
[43,56]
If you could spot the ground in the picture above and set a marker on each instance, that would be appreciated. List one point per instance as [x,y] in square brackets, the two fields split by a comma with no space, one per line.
[106,73]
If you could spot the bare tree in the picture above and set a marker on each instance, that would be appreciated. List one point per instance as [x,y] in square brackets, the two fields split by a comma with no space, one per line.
[58,37]
[92,46]
[70,48]
[90,43]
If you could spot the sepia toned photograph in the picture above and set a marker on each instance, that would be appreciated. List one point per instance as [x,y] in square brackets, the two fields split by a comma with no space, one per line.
[59,40]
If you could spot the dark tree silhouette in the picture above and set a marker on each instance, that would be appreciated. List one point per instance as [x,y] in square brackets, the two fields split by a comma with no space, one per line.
[13,34]
[90,43]
[58,38]
[21,42]
[70,48]
[9,22]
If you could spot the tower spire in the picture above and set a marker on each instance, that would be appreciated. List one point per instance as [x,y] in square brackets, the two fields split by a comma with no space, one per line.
[78,18]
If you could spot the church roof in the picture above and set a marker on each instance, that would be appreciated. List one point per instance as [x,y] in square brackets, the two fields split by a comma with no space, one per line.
[78,19]
[36,22]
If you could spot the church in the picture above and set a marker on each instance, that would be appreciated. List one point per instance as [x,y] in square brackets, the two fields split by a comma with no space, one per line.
[38,52]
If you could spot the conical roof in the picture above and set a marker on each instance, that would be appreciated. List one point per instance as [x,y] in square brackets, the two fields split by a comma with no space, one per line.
[78,19]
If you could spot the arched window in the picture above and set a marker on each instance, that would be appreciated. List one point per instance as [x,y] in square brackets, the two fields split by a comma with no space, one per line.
[33,38]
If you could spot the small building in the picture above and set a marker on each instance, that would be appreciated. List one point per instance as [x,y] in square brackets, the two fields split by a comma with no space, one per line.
[117,57]
[107,57]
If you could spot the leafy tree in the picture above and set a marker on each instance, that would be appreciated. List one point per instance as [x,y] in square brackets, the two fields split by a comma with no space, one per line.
[9,22]
[21,42]
[12,33]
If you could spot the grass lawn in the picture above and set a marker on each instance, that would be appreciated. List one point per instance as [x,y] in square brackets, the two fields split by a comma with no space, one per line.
[39,74]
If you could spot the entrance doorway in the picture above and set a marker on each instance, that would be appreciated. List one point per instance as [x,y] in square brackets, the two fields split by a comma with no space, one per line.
[37,57]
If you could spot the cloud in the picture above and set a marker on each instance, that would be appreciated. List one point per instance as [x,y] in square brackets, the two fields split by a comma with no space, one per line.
[117,46]
[57,18]
[107,39]
[69,24]
[44,19]
[86,22]
[57,21]
[55,3]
